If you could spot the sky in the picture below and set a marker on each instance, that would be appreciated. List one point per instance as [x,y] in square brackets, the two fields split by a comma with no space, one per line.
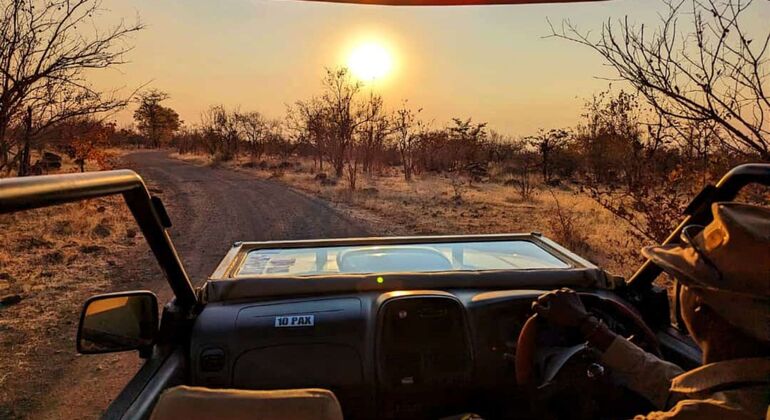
[491,63]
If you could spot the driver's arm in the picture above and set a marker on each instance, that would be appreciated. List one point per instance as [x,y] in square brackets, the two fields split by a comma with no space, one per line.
[642,372]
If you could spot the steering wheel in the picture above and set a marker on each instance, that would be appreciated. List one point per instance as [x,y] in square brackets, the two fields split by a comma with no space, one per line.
[566,379]
[527,350]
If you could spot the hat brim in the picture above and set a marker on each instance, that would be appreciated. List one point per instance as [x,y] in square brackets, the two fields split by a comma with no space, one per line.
[683,263]
[747,313]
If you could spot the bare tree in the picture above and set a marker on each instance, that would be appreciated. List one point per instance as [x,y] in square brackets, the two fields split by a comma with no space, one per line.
[276,139]
[700,65]
[372,133]
[221,131]
[189,140]
[343,113]
[254,130]
[406,137]
[523,166]
[46,47]
[549,143]
[468,141]
[523,180]
[307,124]
[351,166]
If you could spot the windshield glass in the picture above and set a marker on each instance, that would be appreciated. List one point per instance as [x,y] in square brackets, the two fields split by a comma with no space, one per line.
[420,258]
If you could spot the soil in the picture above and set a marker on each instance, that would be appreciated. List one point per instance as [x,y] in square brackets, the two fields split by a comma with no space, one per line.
[211,208]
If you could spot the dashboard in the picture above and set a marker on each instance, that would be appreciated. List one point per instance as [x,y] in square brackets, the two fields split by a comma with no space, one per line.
[400,354]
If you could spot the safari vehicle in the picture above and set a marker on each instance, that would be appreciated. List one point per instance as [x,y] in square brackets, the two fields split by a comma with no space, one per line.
[409,327]
[372,328]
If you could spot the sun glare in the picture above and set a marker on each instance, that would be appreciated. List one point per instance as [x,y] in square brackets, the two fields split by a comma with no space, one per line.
[370,61]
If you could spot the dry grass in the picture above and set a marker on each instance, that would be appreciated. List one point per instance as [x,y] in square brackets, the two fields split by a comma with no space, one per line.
[427,205]
[52,259]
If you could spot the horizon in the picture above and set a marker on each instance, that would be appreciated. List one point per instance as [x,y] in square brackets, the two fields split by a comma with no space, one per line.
[256,55]
[497,69]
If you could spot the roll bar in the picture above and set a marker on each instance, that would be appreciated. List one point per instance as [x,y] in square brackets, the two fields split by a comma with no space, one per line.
[699,210]
[33,192]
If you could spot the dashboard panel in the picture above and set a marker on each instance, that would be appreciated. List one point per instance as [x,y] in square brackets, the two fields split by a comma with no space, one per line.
[404,354]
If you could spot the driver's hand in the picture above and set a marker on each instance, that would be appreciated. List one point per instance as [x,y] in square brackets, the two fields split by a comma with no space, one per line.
[561,308]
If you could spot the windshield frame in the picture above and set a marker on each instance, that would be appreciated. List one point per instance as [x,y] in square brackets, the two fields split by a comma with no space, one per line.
[230,265]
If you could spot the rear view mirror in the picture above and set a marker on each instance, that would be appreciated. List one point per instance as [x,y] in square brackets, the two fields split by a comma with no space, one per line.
[118,322]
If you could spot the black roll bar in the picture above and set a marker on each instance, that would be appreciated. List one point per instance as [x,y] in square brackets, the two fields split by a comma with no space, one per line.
[32,192]
[698,212]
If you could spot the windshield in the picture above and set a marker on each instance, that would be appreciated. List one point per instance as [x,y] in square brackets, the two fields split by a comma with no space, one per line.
[419,258]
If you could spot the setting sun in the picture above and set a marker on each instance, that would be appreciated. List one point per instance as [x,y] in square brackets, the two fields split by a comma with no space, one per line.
[370,61]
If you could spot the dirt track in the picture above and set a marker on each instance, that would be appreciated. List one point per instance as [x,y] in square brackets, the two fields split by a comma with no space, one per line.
[211,208]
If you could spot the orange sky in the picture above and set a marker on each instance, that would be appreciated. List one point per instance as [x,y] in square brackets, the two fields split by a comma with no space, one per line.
[490,63]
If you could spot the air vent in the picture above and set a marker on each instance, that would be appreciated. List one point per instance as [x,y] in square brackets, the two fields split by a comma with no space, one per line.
[423,342]
[212,360]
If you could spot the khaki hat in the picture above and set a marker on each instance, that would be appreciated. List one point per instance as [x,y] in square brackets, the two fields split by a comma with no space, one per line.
[729,261]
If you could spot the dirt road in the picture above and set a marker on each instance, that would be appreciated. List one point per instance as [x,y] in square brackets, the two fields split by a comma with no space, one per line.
[211,208]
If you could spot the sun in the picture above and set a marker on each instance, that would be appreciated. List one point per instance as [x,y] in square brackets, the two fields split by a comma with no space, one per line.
[370,61]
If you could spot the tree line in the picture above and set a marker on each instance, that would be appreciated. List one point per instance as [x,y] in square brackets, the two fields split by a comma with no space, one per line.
[695,103]
[622,153]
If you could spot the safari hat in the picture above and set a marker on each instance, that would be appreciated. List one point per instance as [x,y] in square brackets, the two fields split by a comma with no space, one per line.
[728,262]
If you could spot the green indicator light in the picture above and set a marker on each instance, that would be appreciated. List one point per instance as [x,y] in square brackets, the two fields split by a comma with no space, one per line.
[380,280]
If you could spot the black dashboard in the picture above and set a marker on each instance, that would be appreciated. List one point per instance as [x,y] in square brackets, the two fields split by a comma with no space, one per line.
[401,354]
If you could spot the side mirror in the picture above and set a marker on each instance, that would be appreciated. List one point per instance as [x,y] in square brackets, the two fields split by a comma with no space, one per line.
[118,322]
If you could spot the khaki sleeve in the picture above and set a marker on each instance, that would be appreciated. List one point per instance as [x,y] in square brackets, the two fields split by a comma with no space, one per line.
[699,410]
[642,372]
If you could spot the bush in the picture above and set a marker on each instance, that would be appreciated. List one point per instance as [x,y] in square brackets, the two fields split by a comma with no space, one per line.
[566,230]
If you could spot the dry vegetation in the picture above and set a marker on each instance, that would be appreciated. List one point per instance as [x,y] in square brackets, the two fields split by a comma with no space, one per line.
[429,205]
[51,261]
[639,155]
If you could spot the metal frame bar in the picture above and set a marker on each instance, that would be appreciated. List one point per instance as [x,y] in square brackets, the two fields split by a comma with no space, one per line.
[33,192]
[699,210]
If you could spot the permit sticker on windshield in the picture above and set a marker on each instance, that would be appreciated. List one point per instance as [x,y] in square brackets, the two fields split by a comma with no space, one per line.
[294,321]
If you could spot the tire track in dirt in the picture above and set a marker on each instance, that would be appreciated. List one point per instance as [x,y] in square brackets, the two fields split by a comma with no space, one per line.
[211,208]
